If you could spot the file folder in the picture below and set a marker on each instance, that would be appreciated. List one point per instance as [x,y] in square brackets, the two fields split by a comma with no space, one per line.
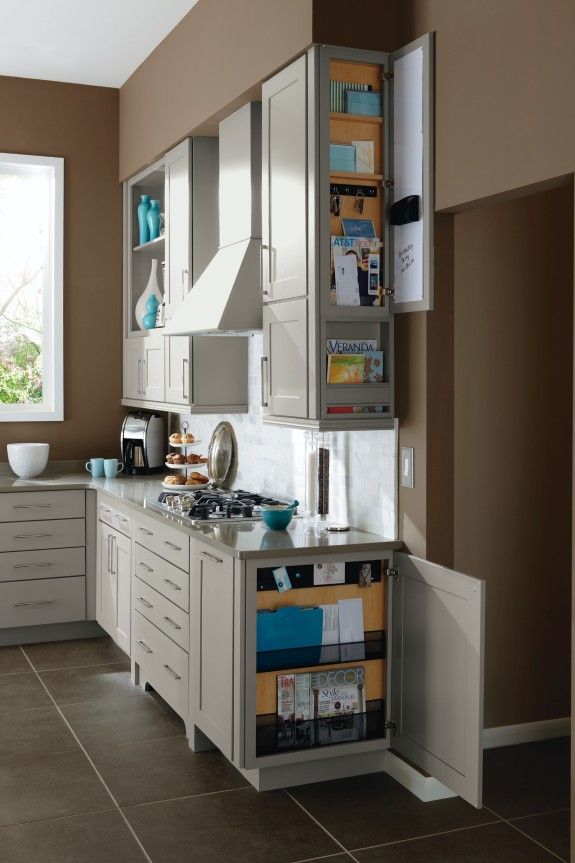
[290,628]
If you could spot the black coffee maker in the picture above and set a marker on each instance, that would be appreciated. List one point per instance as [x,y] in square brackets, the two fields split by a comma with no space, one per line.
[142,443]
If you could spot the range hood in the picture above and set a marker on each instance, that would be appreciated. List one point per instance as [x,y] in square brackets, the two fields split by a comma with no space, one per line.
[227,297]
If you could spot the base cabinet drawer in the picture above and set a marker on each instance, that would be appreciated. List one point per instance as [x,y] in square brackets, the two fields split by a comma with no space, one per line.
[167,541]
[115,516]
[26,536]
[173,622]
[47,600]
[49,563]
[162,663]
[164,577]
[41,505]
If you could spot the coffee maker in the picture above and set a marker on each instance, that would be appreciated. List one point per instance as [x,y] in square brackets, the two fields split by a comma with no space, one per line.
[142,443]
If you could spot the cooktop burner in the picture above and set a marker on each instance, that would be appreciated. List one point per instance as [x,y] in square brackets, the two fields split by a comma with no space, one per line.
[213,504]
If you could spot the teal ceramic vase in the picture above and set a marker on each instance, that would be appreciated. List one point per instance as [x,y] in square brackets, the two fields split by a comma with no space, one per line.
[143,208]
[153,218]
[151,289]
[149,320]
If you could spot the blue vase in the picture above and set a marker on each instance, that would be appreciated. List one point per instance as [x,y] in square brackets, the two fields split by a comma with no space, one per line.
[153,217]
[142,220]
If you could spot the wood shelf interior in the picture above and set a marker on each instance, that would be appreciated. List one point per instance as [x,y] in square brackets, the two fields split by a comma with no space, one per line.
[355,118]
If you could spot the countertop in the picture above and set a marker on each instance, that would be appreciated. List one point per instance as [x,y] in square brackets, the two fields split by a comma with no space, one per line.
[245,540]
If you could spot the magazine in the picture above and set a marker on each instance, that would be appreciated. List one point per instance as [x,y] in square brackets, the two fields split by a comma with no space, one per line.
[366,289]
[345,368]
[351,346]
[373,369]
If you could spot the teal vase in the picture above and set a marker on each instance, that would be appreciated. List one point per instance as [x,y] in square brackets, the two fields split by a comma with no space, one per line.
[149,320]
[153,219]
[143,208]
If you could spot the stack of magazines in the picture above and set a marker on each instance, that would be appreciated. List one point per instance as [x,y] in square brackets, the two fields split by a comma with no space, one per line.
[337,94]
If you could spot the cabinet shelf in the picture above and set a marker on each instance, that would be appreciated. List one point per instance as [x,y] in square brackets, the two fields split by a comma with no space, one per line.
[355,118]
[372,647]
[150,246]
[353,175]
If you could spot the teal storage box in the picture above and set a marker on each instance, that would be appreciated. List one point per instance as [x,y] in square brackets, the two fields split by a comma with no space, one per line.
[342,157]
[358,102]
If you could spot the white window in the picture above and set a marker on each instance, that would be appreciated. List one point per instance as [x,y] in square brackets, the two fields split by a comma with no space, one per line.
[31,307]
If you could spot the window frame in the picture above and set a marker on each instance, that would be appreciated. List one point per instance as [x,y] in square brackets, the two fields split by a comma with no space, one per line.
[52,407]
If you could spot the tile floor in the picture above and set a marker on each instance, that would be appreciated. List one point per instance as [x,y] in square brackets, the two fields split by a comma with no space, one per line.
[94,770]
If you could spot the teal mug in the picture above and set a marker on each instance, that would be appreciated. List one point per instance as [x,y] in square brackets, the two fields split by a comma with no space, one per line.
[112,467]
[95,466]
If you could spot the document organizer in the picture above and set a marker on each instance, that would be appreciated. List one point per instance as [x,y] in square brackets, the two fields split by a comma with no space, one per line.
[291,627]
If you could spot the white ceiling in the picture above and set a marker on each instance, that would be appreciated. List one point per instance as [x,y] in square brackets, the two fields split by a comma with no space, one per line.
[83,41]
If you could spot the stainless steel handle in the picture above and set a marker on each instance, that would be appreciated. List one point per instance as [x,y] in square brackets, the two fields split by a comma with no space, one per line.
[112,543]
[145,566]
[139,378]
[144,646]
[172,545]
[36,602]
[122,518]
[172,623]
[105,509]
[108,553]
[29,565]
[212,557]
[33,506]
[184,276]
[146,532]
[172,673]
[263,390]
[144,377]
[32,536]
[144,601]
[171,584]
[185,364]
[264,280]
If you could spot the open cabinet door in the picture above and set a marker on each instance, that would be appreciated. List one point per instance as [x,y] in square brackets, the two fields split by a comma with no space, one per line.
[411,161]
[437,673]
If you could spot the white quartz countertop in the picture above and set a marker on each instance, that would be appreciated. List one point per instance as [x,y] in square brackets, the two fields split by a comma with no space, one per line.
[245,540]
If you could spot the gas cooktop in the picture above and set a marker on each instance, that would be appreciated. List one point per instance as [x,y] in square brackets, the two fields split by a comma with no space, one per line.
[214,504]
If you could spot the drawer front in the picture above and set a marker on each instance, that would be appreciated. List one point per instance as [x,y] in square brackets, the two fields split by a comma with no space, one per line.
[163,664]
[167,541]
[173,622]
[51,563]
[41,505]
[164,577]
[47,600]
[27,536]
[115,516]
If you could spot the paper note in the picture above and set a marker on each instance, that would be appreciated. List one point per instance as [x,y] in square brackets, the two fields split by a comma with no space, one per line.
[350,620]
[330,632]
[364,157]
[329,573]
[346,281]
[282,579]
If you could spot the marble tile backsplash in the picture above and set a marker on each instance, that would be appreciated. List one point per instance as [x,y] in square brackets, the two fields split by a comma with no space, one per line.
[363,477]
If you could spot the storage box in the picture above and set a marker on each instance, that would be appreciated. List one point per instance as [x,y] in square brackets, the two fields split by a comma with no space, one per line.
[342,157]
[368,104]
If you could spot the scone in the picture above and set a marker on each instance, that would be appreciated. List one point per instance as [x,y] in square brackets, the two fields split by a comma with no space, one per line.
[171,480]
[175,438]
[187,438]
[170,457]
[178,459]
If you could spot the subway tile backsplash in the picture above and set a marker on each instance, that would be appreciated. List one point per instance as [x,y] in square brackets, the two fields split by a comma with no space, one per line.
[271,459]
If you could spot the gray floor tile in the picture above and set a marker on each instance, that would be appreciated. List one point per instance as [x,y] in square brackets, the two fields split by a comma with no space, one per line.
[495,843]
[12,659]
[102,723]
[49,786]
[95,683]
[373,809]
[241,826]
[21,691]
[162,769]
[69,654]
[551,830]
[527,779]
[34,732]
[82,839]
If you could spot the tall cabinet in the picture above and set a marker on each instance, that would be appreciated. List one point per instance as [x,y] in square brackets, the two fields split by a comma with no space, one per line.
[346,151]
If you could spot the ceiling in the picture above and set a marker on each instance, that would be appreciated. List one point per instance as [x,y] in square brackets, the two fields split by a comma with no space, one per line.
[83,42]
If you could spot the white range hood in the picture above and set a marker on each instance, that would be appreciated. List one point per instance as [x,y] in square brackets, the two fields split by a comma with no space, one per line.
[227,297]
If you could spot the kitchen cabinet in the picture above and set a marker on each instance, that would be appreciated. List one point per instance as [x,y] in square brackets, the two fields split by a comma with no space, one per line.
[144,369]
[206,374]
[113,590]
[306,199]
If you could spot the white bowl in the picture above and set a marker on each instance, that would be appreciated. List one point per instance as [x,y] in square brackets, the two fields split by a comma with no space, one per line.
[28,459]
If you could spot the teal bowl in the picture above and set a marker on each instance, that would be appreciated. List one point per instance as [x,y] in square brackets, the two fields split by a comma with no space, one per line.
[278,517]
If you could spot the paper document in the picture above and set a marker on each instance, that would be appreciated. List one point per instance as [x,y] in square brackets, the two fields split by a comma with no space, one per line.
[329,573]
[346,281]
[351,633]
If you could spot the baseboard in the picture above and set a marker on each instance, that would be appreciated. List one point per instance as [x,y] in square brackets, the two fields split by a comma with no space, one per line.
[50,632]
[526,732]
[421,784]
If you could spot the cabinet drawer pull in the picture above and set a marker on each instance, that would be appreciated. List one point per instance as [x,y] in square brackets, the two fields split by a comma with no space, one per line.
[171,584]
[172,545]
[172,623]
[105,509]
[36,602]
[211,557]
[121,517]
[145,602]
[33,506]
[146,532]
[144,646]
[172,673]
[145,566]
[32,536]
[29,565]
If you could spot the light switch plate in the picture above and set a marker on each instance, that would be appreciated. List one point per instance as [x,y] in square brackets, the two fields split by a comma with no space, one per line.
[406,467]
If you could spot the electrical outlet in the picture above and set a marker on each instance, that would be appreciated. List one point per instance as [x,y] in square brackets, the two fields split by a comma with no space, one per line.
[406,467]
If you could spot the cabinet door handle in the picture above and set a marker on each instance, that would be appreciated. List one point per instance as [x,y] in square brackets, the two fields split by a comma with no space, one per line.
[171,584]
[172,545]
[36,602]
[263,360]
[185,366]
[144,377]
[29,565]
[105,509]
[184,278]
[146,532]
[264,277]
[145,602]
[145,566]
[172,623]
[33,506]
[139,378]
[144,646]
[172,673]
[32,536]
[121,518]
[112,545]
[211,557]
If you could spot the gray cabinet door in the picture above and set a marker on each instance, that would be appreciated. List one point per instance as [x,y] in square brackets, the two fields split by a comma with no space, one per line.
[133,369]
[284,183]
[212,645]
[178,351]
[411,157]
[178,230]
[437,672]
[285,360]
[153,368]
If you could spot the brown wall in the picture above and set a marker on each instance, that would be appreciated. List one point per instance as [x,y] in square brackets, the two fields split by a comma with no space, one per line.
[513,435]
[81,124]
